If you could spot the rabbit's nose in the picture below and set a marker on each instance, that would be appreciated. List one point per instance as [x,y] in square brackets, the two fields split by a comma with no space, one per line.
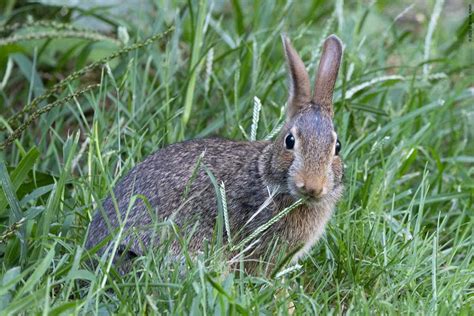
[312,188]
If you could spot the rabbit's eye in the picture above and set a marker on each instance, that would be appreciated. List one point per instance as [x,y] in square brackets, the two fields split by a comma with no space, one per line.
[338,147]
[290,141]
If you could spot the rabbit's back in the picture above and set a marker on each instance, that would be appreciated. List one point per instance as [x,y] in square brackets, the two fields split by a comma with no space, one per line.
[176,185]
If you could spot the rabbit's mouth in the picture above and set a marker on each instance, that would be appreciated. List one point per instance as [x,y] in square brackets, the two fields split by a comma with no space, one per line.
[311,198]
[307,195]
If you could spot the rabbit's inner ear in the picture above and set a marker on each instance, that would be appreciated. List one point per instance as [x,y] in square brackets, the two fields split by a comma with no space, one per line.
[299,85]
[327,74]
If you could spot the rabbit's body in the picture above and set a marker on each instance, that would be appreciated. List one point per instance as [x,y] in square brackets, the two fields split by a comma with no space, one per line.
[165,186]
[301,163]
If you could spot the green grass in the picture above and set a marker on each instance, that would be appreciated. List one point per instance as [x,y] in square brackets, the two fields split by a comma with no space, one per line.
[401,240]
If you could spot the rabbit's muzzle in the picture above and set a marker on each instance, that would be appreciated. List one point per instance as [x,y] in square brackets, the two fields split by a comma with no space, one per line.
[312,189]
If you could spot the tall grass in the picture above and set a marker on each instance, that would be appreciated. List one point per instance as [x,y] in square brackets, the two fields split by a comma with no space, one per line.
[401,240]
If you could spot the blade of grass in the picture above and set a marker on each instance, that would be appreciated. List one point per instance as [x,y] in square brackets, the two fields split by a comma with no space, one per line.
[194,64]
[16,214]
[19,175]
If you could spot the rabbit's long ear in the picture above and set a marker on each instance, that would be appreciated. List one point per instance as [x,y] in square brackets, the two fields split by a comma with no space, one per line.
[299,86]
[327,74]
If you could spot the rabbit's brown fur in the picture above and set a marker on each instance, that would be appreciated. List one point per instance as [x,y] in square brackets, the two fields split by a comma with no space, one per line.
[249,170]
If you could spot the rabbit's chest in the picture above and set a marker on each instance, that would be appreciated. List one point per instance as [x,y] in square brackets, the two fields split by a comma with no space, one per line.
[307,226]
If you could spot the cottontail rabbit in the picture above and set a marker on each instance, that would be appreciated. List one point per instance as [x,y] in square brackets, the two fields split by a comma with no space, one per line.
[302,162]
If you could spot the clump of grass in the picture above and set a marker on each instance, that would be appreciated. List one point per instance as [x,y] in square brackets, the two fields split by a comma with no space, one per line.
[28,108]
[400,240]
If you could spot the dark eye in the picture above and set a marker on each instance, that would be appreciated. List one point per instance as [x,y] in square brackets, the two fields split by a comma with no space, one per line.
[289,141]
[338,147]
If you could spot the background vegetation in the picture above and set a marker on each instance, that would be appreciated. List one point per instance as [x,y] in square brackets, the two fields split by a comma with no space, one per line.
[401,240]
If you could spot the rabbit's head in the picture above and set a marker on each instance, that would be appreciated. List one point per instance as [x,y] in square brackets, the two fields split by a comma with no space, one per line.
[304,159]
